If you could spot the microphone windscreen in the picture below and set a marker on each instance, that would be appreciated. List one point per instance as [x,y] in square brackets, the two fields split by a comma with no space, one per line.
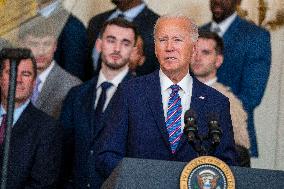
[189,115]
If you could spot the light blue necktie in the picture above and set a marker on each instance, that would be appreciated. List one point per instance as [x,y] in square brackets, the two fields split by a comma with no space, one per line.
[173,121]
[36,91]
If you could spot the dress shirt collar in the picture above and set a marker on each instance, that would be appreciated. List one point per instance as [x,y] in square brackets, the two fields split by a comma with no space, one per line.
[47,11]
[184,83]
[130,14]
[17,111]
[43,75]
[211,81]
[115,81]
[225,24]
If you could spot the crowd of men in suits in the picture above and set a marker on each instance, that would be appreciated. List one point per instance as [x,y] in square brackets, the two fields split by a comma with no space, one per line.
[87,98]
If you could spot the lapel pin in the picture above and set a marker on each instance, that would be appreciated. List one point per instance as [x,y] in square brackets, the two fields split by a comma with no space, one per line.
[202,97]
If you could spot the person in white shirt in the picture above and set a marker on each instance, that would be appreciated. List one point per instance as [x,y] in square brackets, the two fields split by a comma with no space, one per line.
[86,106]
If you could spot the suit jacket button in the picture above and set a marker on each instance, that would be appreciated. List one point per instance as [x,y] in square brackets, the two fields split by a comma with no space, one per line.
[88,185]
[91,152]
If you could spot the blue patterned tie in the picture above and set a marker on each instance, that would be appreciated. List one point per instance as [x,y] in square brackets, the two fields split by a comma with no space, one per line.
[173,121]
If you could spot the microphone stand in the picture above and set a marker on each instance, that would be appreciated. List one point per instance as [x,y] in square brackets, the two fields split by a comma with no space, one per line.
[10,115]
[15,55]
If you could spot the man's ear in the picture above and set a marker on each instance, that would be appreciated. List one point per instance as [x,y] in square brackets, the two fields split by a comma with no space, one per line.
[99,45]
[219,60]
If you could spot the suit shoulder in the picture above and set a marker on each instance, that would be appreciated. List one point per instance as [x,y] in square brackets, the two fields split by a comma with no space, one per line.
[62,75]
[211,92]
[84,87]
[39,116]
[250,26]
[151,13]
[72,19]
[100,16]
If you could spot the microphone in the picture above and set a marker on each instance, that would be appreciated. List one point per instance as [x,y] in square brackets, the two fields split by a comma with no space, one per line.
[16,53]
[190,127]
[215,131]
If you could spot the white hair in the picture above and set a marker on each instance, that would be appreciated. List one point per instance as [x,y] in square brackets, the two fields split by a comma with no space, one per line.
[193,28]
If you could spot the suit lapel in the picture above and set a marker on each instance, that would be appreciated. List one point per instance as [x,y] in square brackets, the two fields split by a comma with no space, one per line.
[48,87]
[232,32]
[88,106]
[154,98]
[24,121]
[198,100]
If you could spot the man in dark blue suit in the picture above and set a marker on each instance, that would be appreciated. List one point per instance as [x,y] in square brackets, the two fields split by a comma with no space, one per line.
[247,58]
[147,117]
[36,139]
[84,107]
[137,12]
[71,52]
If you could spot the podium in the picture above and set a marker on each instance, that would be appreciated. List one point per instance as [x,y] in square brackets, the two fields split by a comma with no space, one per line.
[157,174]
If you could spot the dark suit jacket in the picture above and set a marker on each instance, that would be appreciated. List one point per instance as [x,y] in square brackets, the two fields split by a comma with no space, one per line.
[136,127]
[144,21]
[80,133]
[71,52]
[55,88]
[246,66]
[35,151]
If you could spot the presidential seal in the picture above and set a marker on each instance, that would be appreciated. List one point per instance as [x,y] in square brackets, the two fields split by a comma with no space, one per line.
[207,172]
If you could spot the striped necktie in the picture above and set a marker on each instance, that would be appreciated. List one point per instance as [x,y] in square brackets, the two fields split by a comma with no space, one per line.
[173,121]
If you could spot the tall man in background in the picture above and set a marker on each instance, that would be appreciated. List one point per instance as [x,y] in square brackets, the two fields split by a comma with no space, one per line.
[147,118]
[135,11]
[247,58]
[87,105]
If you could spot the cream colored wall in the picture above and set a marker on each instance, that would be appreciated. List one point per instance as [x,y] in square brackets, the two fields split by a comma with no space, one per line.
[269,116]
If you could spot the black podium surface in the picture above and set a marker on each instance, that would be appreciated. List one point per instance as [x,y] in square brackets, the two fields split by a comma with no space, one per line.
[141,173]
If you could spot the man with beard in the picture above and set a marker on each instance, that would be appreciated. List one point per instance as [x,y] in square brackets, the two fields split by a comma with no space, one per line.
[247,58]
[87,105]
[135,11]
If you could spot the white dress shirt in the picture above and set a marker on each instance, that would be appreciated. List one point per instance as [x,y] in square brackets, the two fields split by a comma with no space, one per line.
[224,25]
[185,93]
[43,75]
[110,92]
[17,112]
[47,11]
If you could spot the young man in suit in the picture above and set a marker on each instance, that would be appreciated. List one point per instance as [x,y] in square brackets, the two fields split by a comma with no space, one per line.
[86,105]
[53,82]
[147,117]
[135,11]
[72,49]
[36,139]
[206,61]
[247,58]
